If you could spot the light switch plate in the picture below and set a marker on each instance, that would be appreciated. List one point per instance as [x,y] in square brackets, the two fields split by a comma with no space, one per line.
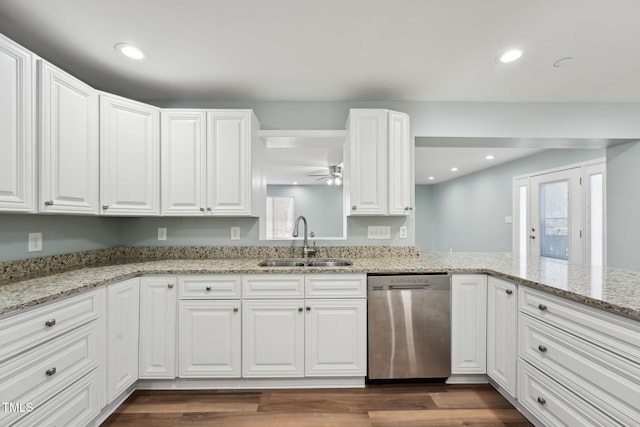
[35,242]
[162,233]
[508,220]
[235,233]
[379,232]
[403,232]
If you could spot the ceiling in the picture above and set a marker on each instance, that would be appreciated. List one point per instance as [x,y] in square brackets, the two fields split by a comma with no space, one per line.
[331,50]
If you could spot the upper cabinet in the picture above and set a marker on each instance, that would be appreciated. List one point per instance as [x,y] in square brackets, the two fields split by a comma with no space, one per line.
[129,157]
[212,163]
[378,165]
[68,137]
[17,143]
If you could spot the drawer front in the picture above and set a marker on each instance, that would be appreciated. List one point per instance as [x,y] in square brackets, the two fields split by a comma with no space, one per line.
[604,329]
[77,405]
[273,286]
[209,287]
[42,372]
[553,404]
[335,286]
[603,378]
[25,330]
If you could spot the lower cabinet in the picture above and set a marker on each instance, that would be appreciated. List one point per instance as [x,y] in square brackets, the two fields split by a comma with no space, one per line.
[502,333]
[122,336]
[468,324]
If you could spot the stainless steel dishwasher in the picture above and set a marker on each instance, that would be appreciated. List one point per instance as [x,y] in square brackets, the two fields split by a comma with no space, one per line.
[409,326]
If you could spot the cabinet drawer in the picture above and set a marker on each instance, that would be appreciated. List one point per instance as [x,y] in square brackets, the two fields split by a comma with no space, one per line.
[37,375]
[601,377]
[75,406]
[553,404]
[273,286]
[606,330]
[335,286]
[25,330]
[209,287]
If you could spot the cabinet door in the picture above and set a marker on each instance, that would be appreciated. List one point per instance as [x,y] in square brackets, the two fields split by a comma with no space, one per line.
[17,139]
[335,338]
[366,156]
[122,336]
[229,181]
[273,338]
[157,327]
[183,141]
[400,164]
[502,333]
[68,143]
[209,339]
[129,157]
[469,324]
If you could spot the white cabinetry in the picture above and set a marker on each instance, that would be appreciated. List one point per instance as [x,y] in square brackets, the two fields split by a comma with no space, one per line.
[157,349]
[17,139]
[68,133]
[468,324]
[129,157]
[122,336]
[502,333]
[378,167]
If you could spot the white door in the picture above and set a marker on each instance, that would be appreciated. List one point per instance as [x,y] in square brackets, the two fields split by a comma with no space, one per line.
[157,346]
[17,139]
[502,333]
[366,162]
[335,338]
[400,164]
[556,216]
[209,339]
[273,338]
[595,226]
[183,154]
[129,157]
[469,324]
[122,336]
[229,168]
[68,143]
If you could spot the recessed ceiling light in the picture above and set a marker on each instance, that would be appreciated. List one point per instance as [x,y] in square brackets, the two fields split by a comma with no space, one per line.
[490,157]
[510,56]
[431,178]
[454,169]
[130,51]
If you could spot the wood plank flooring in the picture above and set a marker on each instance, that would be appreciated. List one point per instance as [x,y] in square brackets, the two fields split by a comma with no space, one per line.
[377,405]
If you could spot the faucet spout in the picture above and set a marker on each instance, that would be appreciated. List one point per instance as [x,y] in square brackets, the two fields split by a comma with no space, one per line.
[306,250]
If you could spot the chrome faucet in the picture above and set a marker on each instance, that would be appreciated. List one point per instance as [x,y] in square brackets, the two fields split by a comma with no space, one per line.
[306,250]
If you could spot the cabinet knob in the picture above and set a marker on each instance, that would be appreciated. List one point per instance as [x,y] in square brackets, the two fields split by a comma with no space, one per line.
[542,307]
[408,208]
[541,400]
[542,348]
[201,209]
[532,237]
[300,308]
[235,309]
[51,371]
[48,203]
[170,285]
[105,207]
[50,323]
[354,207]
[509,291]
[308,308]
[208,288]
[209,209]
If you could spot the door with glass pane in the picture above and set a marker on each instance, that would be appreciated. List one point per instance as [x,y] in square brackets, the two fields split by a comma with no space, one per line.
[555,227]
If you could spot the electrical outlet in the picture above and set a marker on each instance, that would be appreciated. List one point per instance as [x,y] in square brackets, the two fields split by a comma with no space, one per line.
[508,220]
[35,242]
[235,233]
[162,233]
[379,232]
[403,232]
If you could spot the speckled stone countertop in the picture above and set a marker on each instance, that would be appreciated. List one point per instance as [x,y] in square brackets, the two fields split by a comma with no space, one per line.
[613,290]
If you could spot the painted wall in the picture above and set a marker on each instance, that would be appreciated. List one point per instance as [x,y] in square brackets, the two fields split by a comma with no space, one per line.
[623,204]
[469,212]
[60,234]
[424,217]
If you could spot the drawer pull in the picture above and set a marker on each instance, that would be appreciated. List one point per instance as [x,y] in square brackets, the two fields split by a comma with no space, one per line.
[542,348]
[170,285]
[50,372]
[300,308]
[308,308]
[48,203]
[235,309]
[542,307]
[509,291]
[541,400]
[208,288]
[50,323]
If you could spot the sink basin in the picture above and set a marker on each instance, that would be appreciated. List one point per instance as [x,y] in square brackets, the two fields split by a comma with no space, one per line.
[299,262]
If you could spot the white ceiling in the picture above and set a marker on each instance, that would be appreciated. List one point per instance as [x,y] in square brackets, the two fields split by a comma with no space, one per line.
[418,50]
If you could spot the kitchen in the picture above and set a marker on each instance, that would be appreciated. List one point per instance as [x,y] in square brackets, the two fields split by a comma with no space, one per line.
[577,117]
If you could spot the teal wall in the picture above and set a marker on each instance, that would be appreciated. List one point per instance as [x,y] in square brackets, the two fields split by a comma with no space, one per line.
[425,208]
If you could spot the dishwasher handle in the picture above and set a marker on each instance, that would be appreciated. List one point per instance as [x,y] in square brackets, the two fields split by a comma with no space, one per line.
[398,287]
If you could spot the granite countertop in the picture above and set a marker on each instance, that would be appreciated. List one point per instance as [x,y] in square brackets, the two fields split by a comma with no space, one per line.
[613,290]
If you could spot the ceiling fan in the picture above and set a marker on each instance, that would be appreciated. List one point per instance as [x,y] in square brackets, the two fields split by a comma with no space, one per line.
[333,175]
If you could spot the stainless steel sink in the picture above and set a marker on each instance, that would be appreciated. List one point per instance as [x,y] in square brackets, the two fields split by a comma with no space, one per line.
[299,262]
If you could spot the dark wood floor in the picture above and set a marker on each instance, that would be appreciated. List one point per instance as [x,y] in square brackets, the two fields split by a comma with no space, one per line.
[380,405]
